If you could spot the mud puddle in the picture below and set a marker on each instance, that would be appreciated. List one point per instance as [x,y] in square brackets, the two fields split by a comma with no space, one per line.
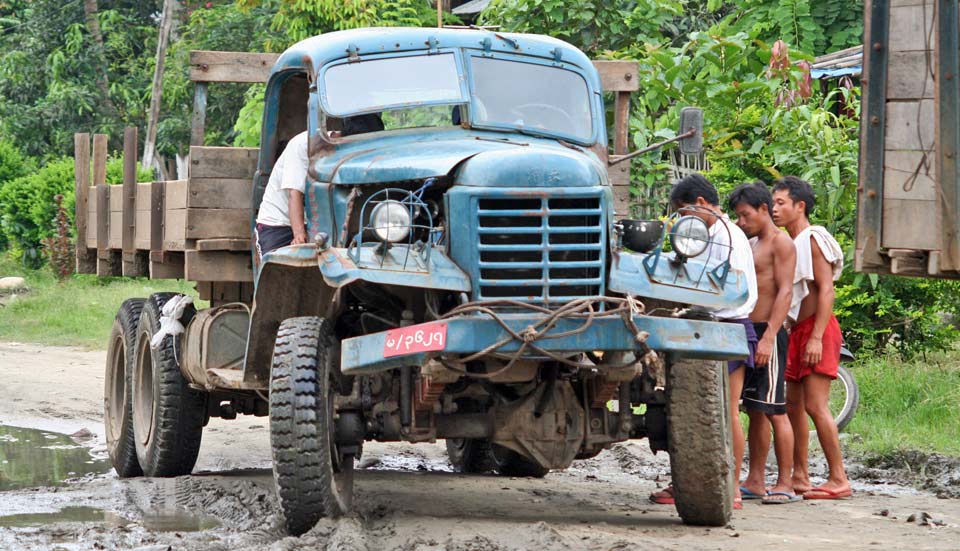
[31,458]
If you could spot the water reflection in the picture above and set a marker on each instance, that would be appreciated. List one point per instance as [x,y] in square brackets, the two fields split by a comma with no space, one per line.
[31,458]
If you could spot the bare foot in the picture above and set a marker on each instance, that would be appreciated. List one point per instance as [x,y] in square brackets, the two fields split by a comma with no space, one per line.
[801,484]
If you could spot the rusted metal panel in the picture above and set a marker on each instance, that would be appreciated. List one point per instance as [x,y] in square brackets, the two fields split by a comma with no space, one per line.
[873,103]
[948,133]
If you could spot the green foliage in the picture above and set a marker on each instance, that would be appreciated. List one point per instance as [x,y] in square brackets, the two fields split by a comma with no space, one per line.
[13,164]
[591,25]
[28,211]
[55,80]
[813,27]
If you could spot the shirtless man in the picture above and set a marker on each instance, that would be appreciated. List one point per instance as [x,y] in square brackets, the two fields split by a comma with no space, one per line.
[694,195]
[774,258]
[814,351]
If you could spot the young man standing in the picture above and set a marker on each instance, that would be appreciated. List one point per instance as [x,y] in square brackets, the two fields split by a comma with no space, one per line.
[694,195]
[774,257]
[814,351]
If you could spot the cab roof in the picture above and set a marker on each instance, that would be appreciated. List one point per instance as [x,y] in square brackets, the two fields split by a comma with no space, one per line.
[313,53]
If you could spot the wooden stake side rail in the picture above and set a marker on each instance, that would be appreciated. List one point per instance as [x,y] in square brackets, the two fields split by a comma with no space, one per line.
[197,229]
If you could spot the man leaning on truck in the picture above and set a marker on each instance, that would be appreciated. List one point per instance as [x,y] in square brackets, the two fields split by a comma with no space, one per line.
[280,220]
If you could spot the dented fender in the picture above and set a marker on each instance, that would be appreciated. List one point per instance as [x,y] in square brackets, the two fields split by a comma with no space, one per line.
[401,265]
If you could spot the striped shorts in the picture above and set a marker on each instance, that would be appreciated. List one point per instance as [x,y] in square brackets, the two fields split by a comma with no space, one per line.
[764,388]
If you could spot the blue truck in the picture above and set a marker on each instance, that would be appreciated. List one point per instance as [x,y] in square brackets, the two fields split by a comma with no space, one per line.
[466,278]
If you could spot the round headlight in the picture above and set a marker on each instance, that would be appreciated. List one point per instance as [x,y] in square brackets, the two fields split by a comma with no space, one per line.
[690,236]
[391,221]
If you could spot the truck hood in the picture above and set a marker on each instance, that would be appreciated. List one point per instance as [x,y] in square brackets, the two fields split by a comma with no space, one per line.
[492,159]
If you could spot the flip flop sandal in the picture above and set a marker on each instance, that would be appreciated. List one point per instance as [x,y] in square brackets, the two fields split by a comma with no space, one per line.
[826,493]
[663,497]
[748,495]
[791,498]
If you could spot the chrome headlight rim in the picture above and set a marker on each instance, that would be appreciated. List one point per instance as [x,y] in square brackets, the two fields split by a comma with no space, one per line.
[689,236]
[387,230]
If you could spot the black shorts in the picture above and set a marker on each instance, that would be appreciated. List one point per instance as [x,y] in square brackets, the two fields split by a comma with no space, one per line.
[270,238]
[764,388]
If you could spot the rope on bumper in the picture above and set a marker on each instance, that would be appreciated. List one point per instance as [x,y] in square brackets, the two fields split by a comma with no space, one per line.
[585,309]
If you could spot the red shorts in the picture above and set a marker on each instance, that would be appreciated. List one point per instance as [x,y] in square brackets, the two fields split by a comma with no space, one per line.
[830,359]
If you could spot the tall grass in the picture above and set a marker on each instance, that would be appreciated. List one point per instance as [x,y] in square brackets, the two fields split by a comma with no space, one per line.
[76,312]
[908,405]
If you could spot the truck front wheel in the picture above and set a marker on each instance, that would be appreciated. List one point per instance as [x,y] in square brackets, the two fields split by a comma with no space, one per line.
[168,415]
[699,441]
[314,476]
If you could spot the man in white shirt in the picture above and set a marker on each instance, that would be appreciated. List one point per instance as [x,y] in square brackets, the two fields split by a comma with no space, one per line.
[694,195]
[280,219]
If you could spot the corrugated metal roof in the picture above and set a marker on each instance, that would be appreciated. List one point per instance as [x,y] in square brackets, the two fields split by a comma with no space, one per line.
[471,7]
[840,63]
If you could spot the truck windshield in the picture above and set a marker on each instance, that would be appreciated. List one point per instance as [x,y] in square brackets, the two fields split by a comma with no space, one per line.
[378,84]
[534,97]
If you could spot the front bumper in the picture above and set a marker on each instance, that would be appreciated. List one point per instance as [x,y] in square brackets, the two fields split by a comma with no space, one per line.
[469,334]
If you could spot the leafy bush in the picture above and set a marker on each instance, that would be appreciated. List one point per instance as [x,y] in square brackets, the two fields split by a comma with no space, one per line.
[13,164]
[28,210]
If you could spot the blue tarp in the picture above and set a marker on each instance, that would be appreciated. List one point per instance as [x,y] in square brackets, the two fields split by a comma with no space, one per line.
[818,74]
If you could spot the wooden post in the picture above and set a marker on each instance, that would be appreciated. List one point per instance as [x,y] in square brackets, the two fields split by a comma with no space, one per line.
[198,124]
[86,259]
[99,159]
[132,263]
[620,174]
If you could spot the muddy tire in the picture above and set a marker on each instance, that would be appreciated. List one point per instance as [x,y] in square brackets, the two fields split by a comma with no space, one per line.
[313,478]
[470,455]
[844,397]
[168,415]
[118,389]
[699,441]
[511,463]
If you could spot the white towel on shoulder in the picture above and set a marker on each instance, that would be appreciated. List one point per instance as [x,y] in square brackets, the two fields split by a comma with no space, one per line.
[831,251]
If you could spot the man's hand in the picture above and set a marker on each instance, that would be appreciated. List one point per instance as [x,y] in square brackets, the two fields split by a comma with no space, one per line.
[299,237]
[814,352]
[764,351]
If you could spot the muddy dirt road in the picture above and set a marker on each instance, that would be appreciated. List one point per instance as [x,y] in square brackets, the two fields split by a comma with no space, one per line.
[57,493]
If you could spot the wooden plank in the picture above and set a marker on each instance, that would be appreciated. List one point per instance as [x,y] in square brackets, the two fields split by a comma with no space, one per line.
[209,66]
[223,162]
[170,268]
[907,79]
[174,230]
[143,196]
[198,123]
[108,262]
[115,239]
[156,217]
[909,28]
[86,261]
[216,223]
[223,193]
[910,224]
[621,123]
[133,264]
[99,159]
[909,175]
[618,76]
[223,245]
[92,225]
[142,220]
[175,194]
[218,266]
[909,125]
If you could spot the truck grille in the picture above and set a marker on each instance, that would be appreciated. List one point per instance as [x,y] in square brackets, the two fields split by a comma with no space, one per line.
[539,249]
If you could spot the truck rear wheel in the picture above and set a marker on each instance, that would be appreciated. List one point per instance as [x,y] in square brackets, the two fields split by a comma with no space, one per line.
[168,415]
[699,441]
[118,390]
[470,455]
[511,463]
[314,478]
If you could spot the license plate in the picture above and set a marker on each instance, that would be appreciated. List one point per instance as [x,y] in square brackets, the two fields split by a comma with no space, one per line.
[413,339]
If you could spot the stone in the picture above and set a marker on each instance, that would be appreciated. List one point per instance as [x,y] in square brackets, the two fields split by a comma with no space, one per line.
[11,283]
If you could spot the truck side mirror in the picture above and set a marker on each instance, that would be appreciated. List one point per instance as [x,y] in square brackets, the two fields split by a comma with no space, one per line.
[691,121]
